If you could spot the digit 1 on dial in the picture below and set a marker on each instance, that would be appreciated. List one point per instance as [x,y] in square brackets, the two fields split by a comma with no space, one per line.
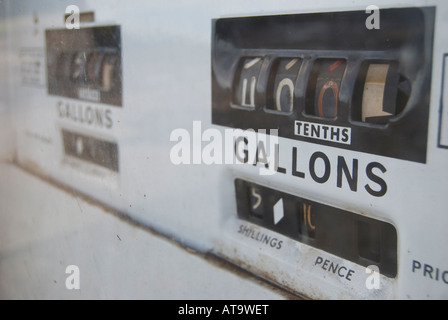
[281,97]
[246,81]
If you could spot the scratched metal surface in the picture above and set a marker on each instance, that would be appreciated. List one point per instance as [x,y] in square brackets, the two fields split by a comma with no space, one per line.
[7,138]
[43,229]
[166,68]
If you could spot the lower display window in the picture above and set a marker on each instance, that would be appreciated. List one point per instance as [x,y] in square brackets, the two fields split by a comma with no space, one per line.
[351,236]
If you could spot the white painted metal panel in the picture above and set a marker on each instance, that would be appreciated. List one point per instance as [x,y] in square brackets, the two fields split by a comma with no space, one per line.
[166,83]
